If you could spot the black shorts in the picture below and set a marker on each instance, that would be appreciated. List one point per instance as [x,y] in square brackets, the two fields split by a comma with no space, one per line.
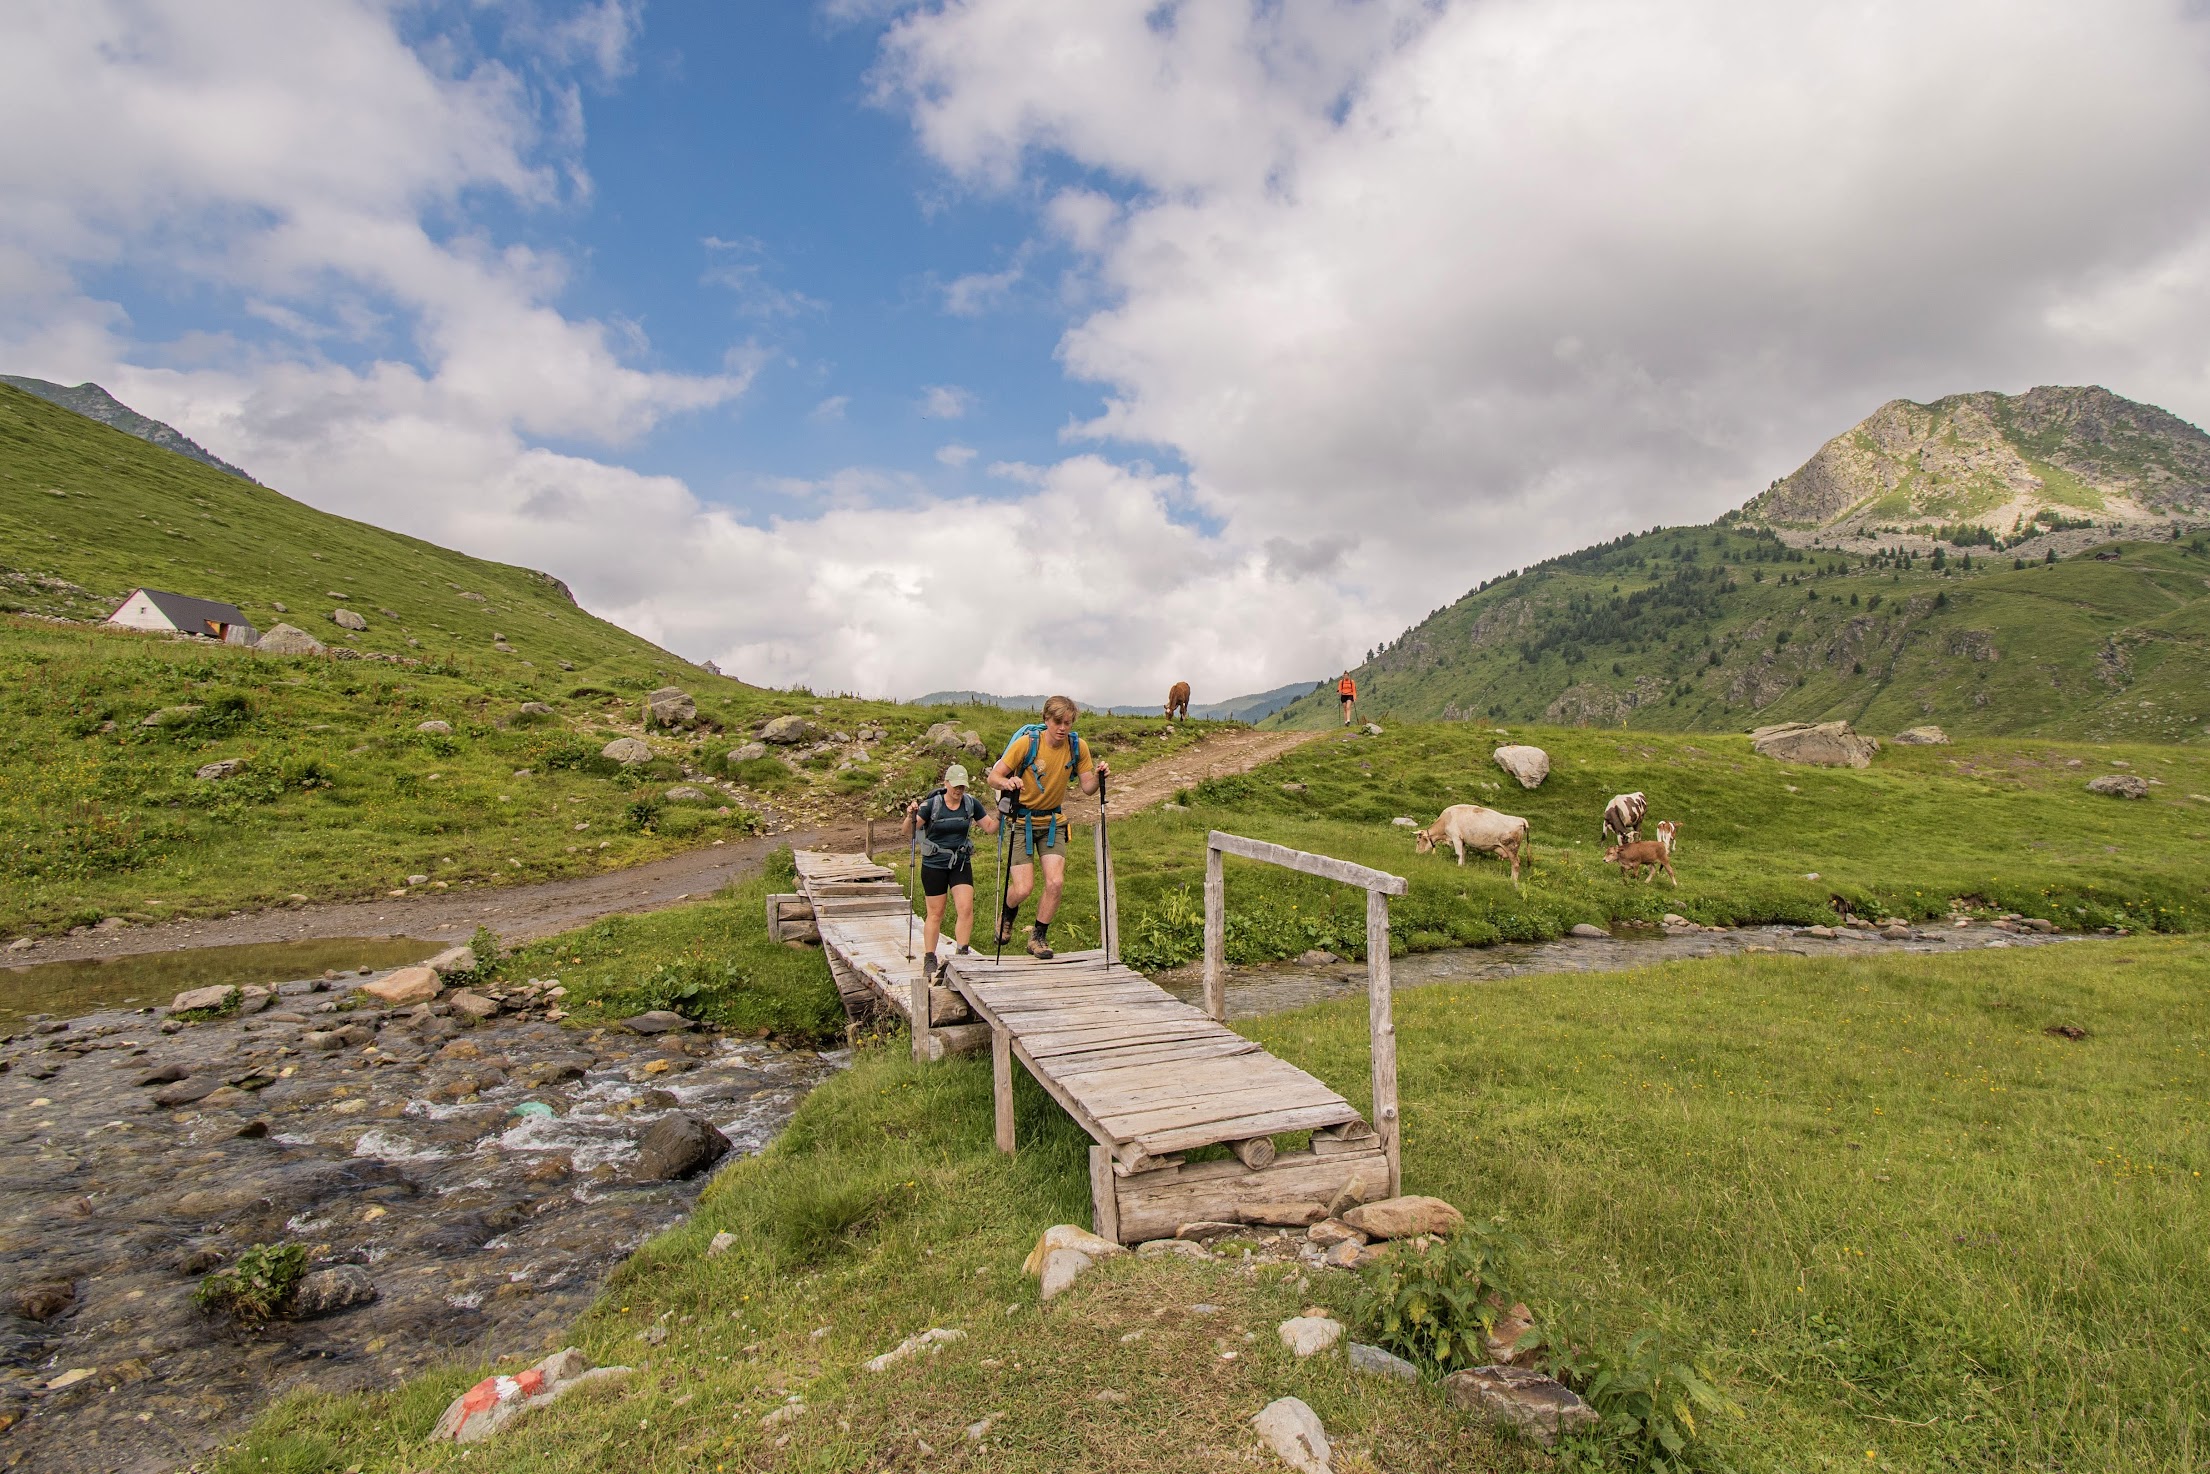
[935,881]
[1345,697]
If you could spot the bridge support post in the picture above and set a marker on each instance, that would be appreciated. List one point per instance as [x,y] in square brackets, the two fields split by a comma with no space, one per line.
[1382,1035]
[1216,936]
[1001,1085]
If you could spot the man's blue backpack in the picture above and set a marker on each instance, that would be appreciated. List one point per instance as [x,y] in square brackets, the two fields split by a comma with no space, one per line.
[1034,732]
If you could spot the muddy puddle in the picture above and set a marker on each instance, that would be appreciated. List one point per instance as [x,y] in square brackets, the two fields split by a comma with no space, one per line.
[481,1179]
[1254,992]
[63,989]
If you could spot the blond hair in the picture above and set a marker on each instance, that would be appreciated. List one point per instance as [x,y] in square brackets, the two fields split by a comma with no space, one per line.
[1061,707]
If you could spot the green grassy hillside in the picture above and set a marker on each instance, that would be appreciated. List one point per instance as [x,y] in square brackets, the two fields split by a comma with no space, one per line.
[1724,628]
[338,795]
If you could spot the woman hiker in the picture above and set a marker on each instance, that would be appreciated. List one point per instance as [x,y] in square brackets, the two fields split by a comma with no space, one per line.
[1037,764]
[946,818]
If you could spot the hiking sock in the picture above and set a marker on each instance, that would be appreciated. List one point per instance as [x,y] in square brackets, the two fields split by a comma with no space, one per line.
[1043,931]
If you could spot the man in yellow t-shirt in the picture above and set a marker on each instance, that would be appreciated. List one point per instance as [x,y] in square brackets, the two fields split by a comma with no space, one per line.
[1038,783]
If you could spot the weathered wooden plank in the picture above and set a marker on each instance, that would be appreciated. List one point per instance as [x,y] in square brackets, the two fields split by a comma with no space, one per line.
[1077,1041]
[1001,1086]
[958,1039]
[1216,935]
[1068,1066]
[1104,1196]
[1207,1133]
[1145,1117]
[1154,1205]
[1189,1079]
[1381,1028]
[1363,876]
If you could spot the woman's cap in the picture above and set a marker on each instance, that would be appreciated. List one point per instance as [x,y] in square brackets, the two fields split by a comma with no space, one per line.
[955,776]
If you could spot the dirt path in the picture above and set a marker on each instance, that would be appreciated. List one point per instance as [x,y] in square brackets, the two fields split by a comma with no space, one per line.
[1216,756]
[523,912]
[517,912]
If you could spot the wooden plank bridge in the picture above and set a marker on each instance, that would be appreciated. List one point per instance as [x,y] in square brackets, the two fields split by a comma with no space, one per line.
[1149,1077]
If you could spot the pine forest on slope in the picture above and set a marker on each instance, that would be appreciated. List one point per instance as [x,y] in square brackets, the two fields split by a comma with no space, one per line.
[1996,565]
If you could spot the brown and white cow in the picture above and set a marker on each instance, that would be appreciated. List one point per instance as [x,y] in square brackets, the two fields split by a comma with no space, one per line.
[1470,826]
[1624,815]
[1648,855]
[1177,700]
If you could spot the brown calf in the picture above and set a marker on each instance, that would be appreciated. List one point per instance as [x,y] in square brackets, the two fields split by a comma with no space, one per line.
[1647,855]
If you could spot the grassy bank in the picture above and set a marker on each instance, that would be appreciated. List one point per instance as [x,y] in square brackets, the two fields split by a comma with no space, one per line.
[340,796]
[1986,825]
[1907,1227]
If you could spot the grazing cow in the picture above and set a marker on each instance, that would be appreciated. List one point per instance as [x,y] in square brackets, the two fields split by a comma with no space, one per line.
[1177,700]
[1623,816]
[1647,856]
[1470,826]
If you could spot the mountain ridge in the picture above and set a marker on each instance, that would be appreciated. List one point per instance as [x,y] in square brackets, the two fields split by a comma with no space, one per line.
[1249,708]
[95,403]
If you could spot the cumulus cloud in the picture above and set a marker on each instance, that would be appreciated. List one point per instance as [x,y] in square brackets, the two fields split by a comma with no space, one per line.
[946,402]
[954,456]
[830,411]
[1423,291]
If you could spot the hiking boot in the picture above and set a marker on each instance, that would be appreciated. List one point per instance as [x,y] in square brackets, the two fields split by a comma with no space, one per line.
[929,969]
[965,950]
[1006,924]
[1040,949]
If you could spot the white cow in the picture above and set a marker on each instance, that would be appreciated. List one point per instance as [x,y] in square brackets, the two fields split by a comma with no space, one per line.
[1623,816]
[1470,826]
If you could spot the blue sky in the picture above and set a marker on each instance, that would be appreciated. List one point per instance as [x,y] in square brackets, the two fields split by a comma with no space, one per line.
[893,345]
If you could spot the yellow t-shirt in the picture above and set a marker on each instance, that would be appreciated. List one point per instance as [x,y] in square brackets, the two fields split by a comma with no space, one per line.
[1051,764]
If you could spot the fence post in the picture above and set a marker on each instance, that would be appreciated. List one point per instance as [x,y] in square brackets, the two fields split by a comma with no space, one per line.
[1382,1032]
[1108,901]
[1216,936]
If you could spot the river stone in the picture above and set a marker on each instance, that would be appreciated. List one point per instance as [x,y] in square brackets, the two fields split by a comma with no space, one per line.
[184,1092]
[1514,1397]
[407,985]
[452,960]
[677,1146]
[194,999]
[496,1401]
[1309,1335]
[628,751]
[475,1005]
[346,619]
[1401,1218]
[1922,737]
[788,731]
[1376,1362]
[1588,932]
[657,1021]
[1820,744]
[210,772]
[1530,765]
[327,1291]
[43,1300]
[167,1074]
[288,639]
[2120,785]
[747,753]
[435,728]
[670,706]
[1294,1432]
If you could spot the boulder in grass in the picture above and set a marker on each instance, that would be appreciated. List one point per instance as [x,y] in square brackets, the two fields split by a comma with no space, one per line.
[434,728]
[1376,1362]
[670,706]
[1540,1407]
[788,731]
[1068,1236]
[747,753]
[684,793]
[1296,1435]
[1309,1335]
[1062,1267]
[2120,785]
[1402,1218]
[346,619]
[494,1402]
[214,772]
[288,639]
[1922,737]
[1818,744]
[536,709]
[1530,765]
[628,751]
[932,1340]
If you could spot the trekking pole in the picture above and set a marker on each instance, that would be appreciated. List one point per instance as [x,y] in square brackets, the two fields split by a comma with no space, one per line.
[1105,907]
[913,869]
[1005,869]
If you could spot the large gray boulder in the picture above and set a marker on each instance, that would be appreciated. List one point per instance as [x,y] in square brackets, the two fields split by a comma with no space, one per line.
[1530,765]
[288,639]
[1922,737]
[1819,744]
[628,751]
[748,752]
[346,619]
[670,706]
[945,736]
[1514,1397]
[789,731]
[2120,785]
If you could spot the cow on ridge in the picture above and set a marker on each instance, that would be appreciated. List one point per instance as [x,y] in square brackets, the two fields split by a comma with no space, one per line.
[1177,700]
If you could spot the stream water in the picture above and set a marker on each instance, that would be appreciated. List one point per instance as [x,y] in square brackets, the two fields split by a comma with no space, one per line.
[61,989]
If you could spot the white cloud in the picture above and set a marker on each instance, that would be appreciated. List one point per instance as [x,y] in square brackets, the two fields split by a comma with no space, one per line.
[977,292]
[946,402]
[830,411]
[954,456]
[1423,291]
[740,267]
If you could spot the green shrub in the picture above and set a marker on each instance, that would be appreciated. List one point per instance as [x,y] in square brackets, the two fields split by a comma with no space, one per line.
[1646,1395]
[258,1287]
[1432,1303]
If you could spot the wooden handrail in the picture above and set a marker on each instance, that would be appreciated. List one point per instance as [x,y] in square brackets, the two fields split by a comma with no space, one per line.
[1328,866]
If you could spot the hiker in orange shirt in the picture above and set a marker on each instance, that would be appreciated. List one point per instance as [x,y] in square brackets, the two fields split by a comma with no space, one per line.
[1346,691]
